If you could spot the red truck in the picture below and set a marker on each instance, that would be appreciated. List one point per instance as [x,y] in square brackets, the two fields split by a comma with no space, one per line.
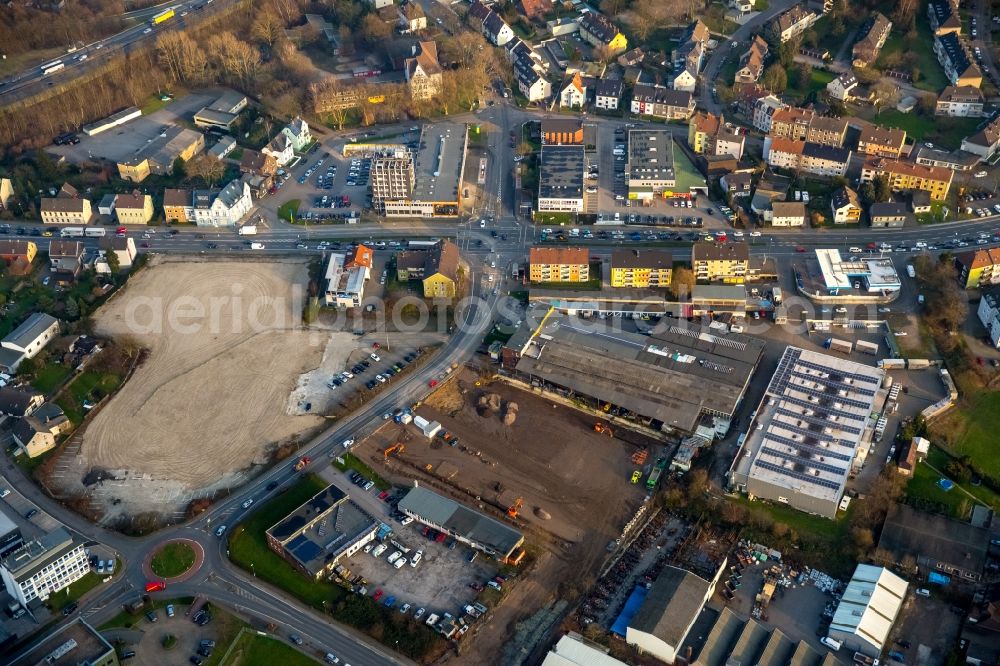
[302,463]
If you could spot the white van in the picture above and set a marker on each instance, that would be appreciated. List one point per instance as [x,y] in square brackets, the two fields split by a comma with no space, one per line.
[395,556]
[379,549]
[831,643]
[256,246]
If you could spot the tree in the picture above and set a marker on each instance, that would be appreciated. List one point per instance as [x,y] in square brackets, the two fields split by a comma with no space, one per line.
[881,187]
[927,105]
[525,148]
[179,168]
[28,367]
[886,94]
[207,168]
[775,78]
[681,282]
[374,30]
[787,51]
[267,28]
[867,193]
[114,263]
[239,61]
[817,218]
[72,309]
[803,75]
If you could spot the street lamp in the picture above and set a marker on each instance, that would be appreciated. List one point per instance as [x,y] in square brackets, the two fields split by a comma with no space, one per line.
[253,570]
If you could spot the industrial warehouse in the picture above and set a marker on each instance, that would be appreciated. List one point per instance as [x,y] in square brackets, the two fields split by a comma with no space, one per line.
[811,431]
[671,380]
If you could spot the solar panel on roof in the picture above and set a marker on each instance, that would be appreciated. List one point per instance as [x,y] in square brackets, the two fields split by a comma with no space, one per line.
[797,475]
[813,462]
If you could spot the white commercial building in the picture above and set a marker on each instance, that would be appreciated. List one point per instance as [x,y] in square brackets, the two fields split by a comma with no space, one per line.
[28,339]
[867,610]
[346,276]
[811,431]
[574,650]
[44,566]
[872,274]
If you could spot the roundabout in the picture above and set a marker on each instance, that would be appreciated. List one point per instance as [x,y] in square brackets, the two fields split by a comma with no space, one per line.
[174,561]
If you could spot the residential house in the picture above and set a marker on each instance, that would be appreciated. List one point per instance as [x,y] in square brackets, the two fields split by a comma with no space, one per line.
[6,193]
[790,24]
[842,88]
[158,156]
[845,206]
[920,201]
[881,141]
[18,255]
[641,268]
[531,83]
[224,208]
[978,268]
[806,156]
[788,214]
[904,176]
[134,208]
[67,207]
[702,128]
[737,183]
[222,148]
[827,131]
[65,258]
[280,148]
[262,164]
[688,57]
[608,95]
[988,313]
[686,79]
[956,160]
[496,30]
[791,122]
[742,7]
[958,65]
[438,269]
[178,205]
[764,109]
[598,30]
[412,17]
[659,102]
[124,249]
[943,17]
[559,264]
[346,276]
[19,402]
[424,74]
[574,95]
[632,58]
[27,340]
[533,9]
[32,437]
[985,142]
[871,39]
[888,215]
[960,102]
[752,61]
[728,143]
[720,262]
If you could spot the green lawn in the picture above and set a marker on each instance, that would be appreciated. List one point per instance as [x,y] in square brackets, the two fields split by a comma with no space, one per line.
[72,593]
[87,386]
[946,132]
[172,560]
[932,78]
[925,492]
[817,82]
[248,547]
[555,218]
[50,376]
[352,462]
[971,430]
[252,649]
[288,209]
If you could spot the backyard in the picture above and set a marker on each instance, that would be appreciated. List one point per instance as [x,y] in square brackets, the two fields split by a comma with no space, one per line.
[90,387]
[817,82]
[925,492]
[898,53]
[945,132]
[970,430]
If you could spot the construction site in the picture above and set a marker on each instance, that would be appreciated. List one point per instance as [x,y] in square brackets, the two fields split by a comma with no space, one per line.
[567,481]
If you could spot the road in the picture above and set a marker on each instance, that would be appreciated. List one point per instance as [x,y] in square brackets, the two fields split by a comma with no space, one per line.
[33,80]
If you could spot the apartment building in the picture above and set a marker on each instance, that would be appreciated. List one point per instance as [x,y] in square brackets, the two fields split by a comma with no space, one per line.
[424,74]
[958,65]
[871,39]
[222,208]
[985,142]
[791,23]
[791,122]
[881,141]
[764,109]
[641,268]
[806,156]
[960,102]
[788,214]
[827,131]
[888,215]
[598,30]
[904,176]
[720,262]
[845,206]
[943,17]
[842,88]
[559,264]
[392,179]
[178,205]
[134,208]
[346,276]
[43,566]
[66,210]
[659,102]
[978,268]
[752,61]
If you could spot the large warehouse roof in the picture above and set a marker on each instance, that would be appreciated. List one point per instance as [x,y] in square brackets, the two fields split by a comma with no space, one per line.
[460,520]
[672,605]
[673,376]
[870,604]
[810,423]
[572,650]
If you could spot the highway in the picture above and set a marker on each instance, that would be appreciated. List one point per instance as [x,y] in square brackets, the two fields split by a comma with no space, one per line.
[33,80]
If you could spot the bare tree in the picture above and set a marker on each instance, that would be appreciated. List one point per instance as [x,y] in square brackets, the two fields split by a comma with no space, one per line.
[267,28]
[239,60]
[207,168]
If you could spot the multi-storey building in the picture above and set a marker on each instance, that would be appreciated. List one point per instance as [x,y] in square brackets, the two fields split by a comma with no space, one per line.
[764,109]
[222,208]
[662,102]
[559,264]
[392,179]
[958,65]
[598,30]
[134,208]
[791,123]
[909,176]
[827,131]
[881,141]
[806,156]
[871,39]
[979,268]
[788,214]
[960,102]
[346,276]
[845,206]
[790,24]
[178,205]
[43,566]
[641,268]
[720,262]
[752,62]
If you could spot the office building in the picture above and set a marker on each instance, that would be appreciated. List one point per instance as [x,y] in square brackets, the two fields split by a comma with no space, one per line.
[43,566]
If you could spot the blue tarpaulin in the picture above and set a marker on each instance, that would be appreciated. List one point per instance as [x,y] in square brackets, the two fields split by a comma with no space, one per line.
[631,608]
[938,579]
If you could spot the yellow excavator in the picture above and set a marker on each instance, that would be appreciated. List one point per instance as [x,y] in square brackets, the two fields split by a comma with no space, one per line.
[604,429]
[397,448]
[515,507]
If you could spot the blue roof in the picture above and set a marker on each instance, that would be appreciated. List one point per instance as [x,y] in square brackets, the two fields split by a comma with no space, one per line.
[631,608]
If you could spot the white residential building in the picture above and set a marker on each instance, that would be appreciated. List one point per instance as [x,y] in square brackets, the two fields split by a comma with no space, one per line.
[763,109]
[298,133]
[224,208]
[346,276]
[281,149]
[609,94]
[989,315]
[574,95]
[44,566]
[28,339]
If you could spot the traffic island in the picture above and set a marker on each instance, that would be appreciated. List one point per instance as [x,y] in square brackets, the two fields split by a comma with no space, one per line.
[174,561]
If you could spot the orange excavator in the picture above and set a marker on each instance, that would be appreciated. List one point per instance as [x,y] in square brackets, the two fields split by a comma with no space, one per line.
[603,429]
[515,507]
[397,448]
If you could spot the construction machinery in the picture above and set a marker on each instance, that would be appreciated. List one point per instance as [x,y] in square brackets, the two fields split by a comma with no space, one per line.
[514,508]
[603,429]
[396,448]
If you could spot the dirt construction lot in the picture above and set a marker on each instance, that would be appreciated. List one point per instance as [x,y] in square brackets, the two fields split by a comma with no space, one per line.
[551,457]
[212,397]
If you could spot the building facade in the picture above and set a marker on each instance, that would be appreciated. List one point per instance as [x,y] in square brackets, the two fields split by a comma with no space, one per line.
[566,264]
[720,262]
[641,268]
[42,567]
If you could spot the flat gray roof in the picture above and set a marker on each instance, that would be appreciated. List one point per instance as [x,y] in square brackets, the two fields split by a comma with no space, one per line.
[810,423]
[6,524]
[57,650]
[671,606]
[561,172]
[673,376]
[439,162]
[460,520]
[37,553]
[651,155]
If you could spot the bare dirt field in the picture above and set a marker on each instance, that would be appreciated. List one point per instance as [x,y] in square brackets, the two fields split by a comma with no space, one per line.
[212,398]
[550,457]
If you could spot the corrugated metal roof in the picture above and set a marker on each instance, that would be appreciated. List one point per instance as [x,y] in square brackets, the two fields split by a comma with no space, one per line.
[870,604]
[461,521]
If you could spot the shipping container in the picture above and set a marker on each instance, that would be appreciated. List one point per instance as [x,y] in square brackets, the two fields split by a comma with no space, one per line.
[866,347]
